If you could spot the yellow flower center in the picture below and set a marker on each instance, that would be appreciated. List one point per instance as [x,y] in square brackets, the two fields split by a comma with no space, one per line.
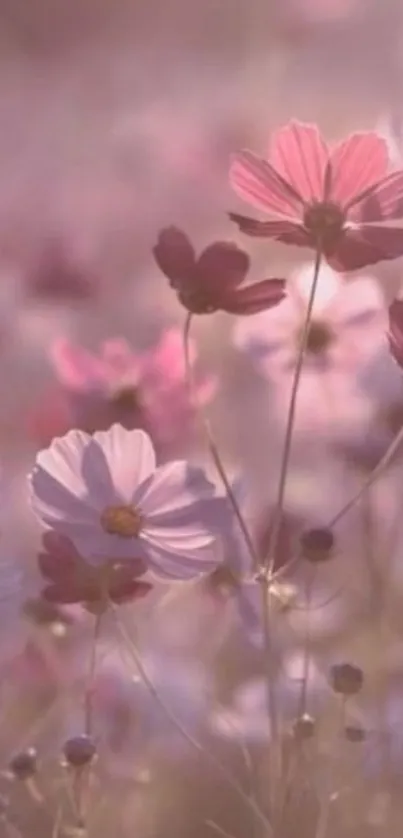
[125,521]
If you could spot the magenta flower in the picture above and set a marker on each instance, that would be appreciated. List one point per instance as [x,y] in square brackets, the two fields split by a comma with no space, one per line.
[395,333]
[69,579]
[324,198]
[212,282]
[114,370]
[106,494]
[152,382]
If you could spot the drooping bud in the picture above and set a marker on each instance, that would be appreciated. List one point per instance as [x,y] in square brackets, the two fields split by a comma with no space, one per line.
[317,545]
[23,766]
[79,751]
[346,679]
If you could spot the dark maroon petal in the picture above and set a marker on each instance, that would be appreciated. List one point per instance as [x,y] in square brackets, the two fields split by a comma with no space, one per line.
[54,542]
[258,183]
[54,567]
[174,255]
[366,246]
[257,297]
[357,164]
[382,203]
[222,265]
[395,333]
[285,231]
[62,594]
[129,590]
[300,155]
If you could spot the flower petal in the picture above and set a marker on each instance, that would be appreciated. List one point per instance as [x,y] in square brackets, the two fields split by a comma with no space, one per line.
[366,246]
[174,255]
[285,231]
[120,459]
[75,367]
[167,562]
[174,488]
[383,203]
[131,589]
[57,489]
[395,333]
[357,164]
[257,182]
[222,265]
[300,155]
[257,297]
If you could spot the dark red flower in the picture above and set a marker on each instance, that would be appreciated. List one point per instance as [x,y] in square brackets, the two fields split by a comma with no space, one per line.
[71,580]
[395,333]
[211,282]
[324,198]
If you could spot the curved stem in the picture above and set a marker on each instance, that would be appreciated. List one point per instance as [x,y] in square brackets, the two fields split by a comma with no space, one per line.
[134,653]
[375,474]
[91,675]
[291,417]
[212,445]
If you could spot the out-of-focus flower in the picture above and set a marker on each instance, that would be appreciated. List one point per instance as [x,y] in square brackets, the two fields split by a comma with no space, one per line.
[150,384]
[395,332]
[57,276]
[114,371]
[347,325]
[212,282]
[328,199]
[106,494]
[50,416]
[246,718]
[69,579]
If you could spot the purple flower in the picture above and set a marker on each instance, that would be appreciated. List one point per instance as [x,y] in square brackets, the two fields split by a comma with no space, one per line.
[107,495]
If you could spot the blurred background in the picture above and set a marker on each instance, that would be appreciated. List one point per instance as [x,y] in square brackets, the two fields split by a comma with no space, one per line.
[118,119]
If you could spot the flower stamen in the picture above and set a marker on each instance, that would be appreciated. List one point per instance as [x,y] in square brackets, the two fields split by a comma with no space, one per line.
[125,521]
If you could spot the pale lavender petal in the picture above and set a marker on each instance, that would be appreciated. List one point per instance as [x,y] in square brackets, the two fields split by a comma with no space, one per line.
[56,486]
[129,456]
[169,563]
[172,488]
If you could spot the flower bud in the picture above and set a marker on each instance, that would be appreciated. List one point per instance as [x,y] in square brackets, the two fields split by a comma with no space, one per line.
[23,765]
[79,750]
[317,545]
[304,727]
[346,679]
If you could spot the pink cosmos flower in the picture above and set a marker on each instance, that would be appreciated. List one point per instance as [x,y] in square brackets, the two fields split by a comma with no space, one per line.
[212,282]
[69,579]
[329,199]
[347,325]
[395,332]
[107,495]
[151,383]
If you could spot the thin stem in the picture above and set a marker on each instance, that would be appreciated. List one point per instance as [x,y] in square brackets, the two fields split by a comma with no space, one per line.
[375,474]
[134,653]
[291,417]
[275,755]
[91,674]
[215,454]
